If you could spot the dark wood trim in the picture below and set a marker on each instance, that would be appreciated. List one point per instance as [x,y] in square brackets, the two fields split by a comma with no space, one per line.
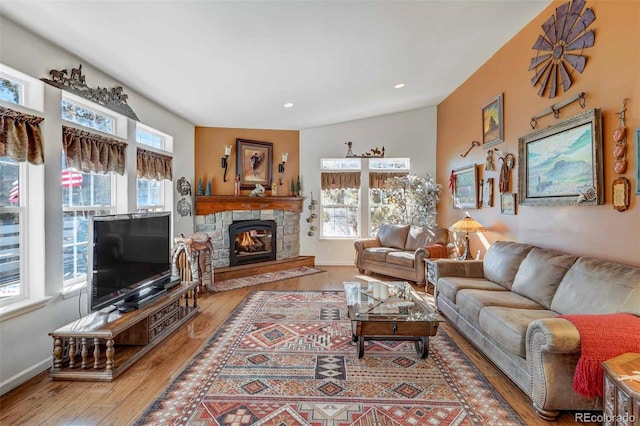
[241,271]
[209,204]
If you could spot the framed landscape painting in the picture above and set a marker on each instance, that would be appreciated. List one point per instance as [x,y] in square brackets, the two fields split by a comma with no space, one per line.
[465,187]
[492,122]
[254,163]
[562,164]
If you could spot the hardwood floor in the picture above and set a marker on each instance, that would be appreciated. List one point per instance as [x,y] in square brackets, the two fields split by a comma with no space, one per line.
[42,401]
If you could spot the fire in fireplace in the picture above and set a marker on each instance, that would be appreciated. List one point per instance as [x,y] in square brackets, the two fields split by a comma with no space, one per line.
[253,241]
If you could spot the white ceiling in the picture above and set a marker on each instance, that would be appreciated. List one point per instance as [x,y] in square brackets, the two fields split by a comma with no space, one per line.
[234,64]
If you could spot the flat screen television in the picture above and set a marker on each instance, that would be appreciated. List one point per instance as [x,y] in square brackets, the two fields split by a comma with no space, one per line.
[130,254]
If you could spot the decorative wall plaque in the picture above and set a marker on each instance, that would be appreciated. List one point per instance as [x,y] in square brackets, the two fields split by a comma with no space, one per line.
[565,38]
[75,82]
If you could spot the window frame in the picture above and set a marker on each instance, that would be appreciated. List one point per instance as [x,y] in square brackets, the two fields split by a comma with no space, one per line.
[330,165]
[165,186]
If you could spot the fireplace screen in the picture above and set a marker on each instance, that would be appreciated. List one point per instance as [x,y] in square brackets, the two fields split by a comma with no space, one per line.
[252,241]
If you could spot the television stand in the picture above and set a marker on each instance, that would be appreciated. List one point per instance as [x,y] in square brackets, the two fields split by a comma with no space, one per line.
[102,345]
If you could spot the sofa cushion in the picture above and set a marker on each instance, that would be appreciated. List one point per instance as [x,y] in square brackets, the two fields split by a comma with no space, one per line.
[420,237]
[402,258]
[377,254]
[540,274]
[595,286]
[470,302]
[502,260]
[393,235]
[508,326]
[450,286]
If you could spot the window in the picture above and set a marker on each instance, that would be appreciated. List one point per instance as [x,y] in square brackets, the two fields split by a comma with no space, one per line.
[340,198]
[11,225]
[87,117]
[151,194]
[83,195]
[385,203]
[11,91]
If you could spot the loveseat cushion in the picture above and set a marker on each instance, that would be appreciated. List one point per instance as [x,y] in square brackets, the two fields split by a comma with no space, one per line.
[502,260]
[402,258]
[377,254]
[595,286]
[470,302]
[449,287]
[419,237]
[540,274]
[393,236]
[508,326]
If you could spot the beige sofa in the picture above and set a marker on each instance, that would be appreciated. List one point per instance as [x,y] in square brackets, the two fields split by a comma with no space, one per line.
[399,251]
[507,306]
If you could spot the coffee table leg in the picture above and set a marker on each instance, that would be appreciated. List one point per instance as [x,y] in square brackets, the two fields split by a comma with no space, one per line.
[360,344]
[422,347]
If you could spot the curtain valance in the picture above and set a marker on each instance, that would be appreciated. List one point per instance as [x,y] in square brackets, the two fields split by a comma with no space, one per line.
[153,165]
[377,180]
[89,152]
[340,180]
[20,136]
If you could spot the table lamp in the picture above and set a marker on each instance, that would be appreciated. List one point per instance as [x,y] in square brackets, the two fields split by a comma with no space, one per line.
[468,224]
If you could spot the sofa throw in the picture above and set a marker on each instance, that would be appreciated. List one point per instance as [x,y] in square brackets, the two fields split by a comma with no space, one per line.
[602,337]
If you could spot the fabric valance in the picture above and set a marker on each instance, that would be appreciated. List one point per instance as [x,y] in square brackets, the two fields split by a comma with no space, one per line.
[377,180]
[90,152]
[20,136]
[153,165]
[340,180]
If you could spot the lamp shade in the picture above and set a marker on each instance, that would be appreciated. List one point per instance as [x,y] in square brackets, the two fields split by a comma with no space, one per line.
[468,224]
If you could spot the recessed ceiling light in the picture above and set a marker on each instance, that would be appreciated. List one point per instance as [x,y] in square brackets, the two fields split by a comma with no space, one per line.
[288,105]
[399,85]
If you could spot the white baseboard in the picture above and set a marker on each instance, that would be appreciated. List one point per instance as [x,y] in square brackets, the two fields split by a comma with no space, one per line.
[23,376]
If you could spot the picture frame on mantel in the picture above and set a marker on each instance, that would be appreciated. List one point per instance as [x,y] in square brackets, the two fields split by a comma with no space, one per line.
[493,122]
[254,163]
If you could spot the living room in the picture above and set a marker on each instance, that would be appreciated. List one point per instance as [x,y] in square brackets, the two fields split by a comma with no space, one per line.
[434,137]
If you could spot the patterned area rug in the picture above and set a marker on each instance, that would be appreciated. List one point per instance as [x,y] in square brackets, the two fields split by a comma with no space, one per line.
[286,358]
[267,277]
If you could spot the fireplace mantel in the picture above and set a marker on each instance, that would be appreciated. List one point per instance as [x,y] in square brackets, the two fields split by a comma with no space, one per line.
[209,204]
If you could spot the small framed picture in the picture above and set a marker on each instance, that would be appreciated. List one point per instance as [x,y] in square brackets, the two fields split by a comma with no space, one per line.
[492,122]
[487,193]
[508,203]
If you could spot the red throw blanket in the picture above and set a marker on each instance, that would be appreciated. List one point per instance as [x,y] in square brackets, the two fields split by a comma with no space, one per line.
[602,337]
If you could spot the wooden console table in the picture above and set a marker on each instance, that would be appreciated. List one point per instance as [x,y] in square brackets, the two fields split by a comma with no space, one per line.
[100,346]
[621,397]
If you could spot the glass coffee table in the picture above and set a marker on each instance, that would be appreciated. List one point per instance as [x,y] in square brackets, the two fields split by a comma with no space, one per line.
[390,311]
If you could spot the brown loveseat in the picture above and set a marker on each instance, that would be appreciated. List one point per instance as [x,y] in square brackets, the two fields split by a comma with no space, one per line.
[507,306]
[399,251]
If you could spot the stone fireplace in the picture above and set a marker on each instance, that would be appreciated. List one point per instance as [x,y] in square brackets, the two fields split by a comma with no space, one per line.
[215,215]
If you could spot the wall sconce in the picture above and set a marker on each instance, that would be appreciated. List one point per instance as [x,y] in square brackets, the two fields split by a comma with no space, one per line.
[281,165]
[225,161]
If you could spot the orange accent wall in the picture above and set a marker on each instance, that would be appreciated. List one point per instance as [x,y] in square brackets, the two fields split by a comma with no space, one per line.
[612,73]
[209,149]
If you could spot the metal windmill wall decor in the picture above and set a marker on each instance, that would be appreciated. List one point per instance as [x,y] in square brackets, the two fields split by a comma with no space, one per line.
[565,38]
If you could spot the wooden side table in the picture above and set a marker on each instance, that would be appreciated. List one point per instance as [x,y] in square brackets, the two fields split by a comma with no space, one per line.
[621,397]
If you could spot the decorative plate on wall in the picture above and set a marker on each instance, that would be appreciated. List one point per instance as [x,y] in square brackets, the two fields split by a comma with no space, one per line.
[565,38]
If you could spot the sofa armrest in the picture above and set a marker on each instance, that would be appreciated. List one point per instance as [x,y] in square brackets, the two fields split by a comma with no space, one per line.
[458,268]
[555,335]
[360,246]
[366,243]
[553,351]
